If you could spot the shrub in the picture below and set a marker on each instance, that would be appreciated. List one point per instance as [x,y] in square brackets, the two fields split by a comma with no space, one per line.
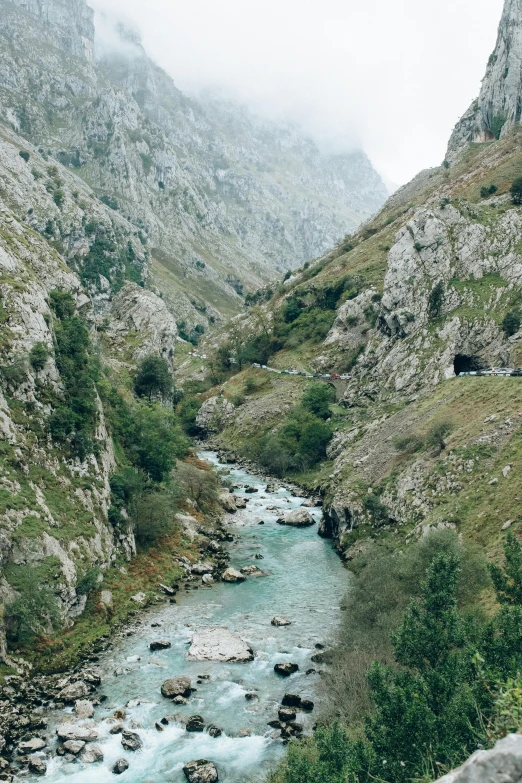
[200,484]
[15,373]
[511,323]
[317,399]
[38,356]
[153,378]
[409,444]
[250,386]
[155,441]
[24,155]
[35,611]
[508,578]
[516,191]
[488,190]
[435,437]
[376,508]
[436,300]
[292,310]
[153,514]
[88,582]
[58,197]
[62,303]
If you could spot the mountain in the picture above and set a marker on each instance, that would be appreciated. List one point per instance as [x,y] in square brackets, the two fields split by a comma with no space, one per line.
[223,200]
[429,288]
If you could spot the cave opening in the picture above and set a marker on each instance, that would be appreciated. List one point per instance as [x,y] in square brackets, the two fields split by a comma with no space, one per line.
[463,363]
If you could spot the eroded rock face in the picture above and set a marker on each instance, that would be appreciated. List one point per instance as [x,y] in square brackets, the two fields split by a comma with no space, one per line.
[201,771]
[219,644]
[139,314]
[214,414]
[503,762]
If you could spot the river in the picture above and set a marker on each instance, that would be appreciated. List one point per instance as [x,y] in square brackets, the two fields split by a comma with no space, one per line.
[304,584]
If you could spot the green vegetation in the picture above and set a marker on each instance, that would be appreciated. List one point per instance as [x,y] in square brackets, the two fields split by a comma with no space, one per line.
[444,677]
[24,155]
[38,356]
[488,190]
[516,191]
[153,379]
[436,300]
[511,323]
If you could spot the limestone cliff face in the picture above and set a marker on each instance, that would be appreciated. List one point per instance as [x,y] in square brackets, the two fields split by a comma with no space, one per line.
[499,106]
[220,198]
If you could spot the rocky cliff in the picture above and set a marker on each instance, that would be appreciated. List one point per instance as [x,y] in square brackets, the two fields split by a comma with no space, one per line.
[224,201]
[499,106]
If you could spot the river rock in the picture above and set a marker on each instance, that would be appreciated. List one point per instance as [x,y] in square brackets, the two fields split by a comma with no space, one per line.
[240,502]
[252,570]
[299,517]
[232,575]
[170,591]
[116,729]
[307,705]
[37,766]
[74,691]
[214,732]
[319,657]
[291,700]
[178,686]
[286,714]
[280,622]
[31,746]
[208,579]
[84,709]
[199,569]
[121,766]
[201,771]
[91,754]
[139,598]
[131,741]
[228,502]
[195,724]
[106,598]
[74,746]
[219,644]
[160,645]
[73,731]
[286,669]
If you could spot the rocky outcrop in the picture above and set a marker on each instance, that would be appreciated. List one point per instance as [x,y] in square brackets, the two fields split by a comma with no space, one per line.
[219,644]
[142,320]
[499,105]
[214,415]
[503,762]
[299,517]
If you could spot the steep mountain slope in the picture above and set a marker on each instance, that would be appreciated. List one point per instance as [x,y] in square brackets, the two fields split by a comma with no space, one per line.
[223,200]
[419,294]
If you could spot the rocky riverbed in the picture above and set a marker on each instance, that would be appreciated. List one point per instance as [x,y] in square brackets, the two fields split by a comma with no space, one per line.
[211,687]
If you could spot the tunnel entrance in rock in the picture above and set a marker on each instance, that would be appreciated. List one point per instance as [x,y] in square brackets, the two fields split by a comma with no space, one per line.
[463,363]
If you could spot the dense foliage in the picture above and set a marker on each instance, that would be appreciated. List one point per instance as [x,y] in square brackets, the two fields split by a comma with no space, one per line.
[446,679]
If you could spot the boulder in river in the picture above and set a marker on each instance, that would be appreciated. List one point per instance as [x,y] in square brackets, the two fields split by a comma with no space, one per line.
[233,575]
[32,745]
[74,691]
[177,686]
[299,517]
[195,724]
[201,771]
[202,568]
[286,714]
[228,502]
[121,766]
[286,669]
[73,731]
[159,645]
[74,746]
[280,622]
[37,766]
[84,709]
[214,732]
[291,700]
[91,754]
[131,741]
[219,644]
[252,570]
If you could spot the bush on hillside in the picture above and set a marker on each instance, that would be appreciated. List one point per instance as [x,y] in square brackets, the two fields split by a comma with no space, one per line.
[436,300]
[436,435]
[14,373]
[511,323]
[200,484]
[516,191]
[409,444]
[38,356]
[317,399]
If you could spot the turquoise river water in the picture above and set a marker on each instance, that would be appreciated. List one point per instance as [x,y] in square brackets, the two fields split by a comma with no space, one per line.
[305,583]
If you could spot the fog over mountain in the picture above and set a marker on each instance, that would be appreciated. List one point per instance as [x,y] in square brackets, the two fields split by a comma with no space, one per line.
[391,77]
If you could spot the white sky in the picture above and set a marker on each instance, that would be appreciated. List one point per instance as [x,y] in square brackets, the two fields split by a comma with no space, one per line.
[392,76]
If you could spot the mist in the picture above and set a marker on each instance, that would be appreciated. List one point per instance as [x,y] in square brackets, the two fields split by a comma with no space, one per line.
[390,76]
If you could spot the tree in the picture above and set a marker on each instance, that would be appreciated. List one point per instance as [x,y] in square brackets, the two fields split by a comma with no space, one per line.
[35,610]
[516,191]
[436,300]
[156,441]
[437,433]
[292,310]
[317,399]
[38,356]
[427,713]
[153,378]
[200,484]
[153,514]
[62,303]
[508,579]
[511,323]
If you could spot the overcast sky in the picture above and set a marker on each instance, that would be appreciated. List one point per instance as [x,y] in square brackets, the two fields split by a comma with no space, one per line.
[392,76]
